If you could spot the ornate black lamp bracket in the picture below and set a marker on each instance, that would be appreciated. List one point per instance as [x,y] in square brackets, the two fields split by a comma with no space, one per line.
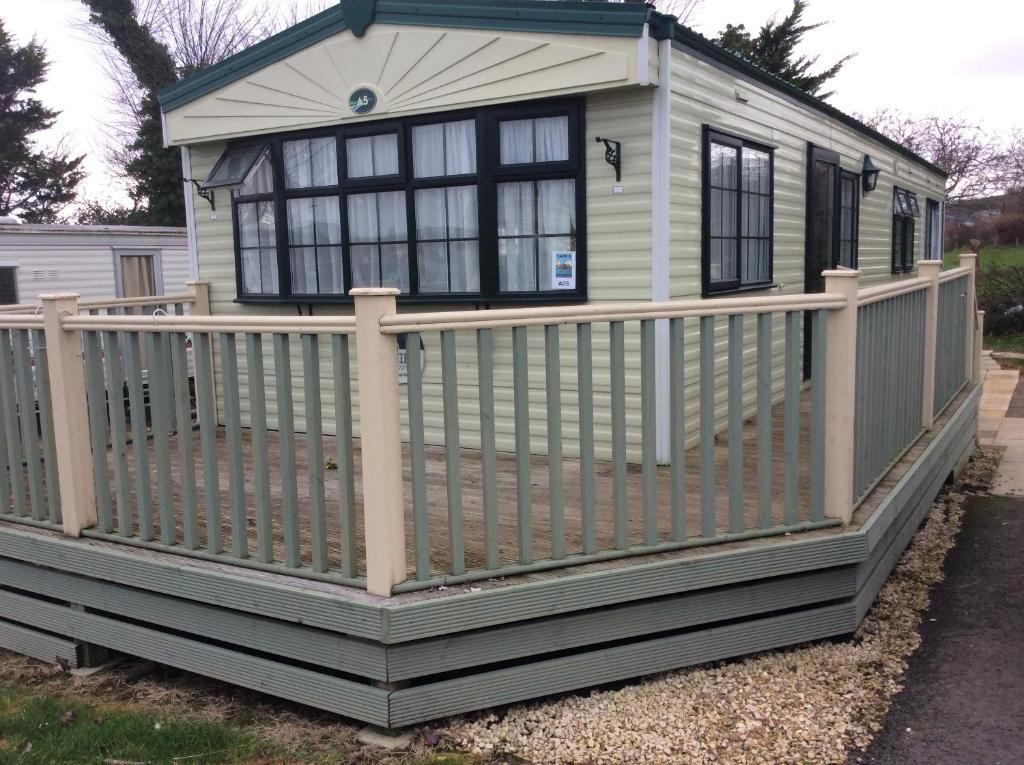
[207,194]
[612,155]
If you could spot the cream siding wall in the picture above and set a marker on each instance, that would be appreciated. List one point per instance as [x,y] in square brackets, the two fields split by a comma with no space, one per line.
[703,94]
[618,261]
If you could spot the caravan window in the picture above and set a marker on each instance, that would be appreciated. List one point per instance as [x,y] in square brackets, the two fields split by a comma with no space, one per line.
[8,285]
[478,205]
[904,210]
[737,213]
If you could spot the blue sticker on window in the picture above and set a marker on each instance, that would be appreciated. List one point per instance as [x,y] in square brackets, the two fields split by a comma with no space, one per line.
[362,101]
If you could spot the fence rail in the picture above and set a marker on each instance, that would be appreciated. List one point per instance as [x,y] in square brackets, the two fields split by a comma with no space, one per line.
[520,440]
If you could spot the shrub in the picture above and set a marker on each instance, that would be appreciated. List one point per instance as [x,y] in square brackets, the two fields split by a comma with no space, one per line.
[1001,297]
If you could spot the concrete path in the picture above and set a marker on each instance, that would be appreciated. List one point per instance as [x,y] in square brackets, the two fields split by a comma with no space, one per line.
[1001,423]
[963,700]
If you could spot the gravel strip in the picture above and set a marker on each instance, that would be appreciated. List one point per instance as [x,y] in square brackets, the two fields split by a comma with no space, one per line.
[808,705]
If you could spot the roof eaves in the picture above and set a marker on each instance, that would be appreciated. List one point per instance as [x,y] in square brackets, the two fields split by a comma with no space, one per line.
[667,26]
[552,16]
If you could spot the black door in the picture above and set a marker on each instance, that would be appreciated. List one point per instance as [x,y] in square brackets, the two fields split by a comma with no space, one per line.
[821,239]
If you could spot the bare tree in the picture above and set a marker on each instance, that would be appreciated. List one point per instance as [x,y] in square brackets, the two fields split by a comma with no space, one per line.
[681,9]
[197,33]
[972,158]
[1012,176]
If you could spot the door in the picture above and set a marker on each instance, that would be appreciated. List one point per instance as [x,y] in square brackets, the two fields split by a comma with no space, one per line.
[821,236]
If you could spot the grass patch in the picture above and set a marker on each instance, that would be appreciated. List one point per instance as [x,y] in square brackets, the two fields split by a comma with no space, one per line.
[139,711]
[49,728]
[1001,255]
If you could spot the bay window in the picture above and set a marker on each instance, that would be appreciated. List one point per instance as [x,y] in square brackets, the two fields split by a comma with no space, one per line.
[462,206]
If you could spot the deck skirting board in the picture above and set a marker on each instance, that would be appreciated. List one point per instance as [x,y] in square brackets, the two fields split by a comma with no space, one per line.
[356,614]
[305,686]
[580,591]
[291,641]
[634,620]
[424,702]
[36,644]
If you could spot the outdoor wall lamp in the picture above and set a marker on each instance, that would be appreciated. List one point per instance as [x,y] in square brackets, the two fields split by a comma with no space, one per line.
[870,174]
[612,155]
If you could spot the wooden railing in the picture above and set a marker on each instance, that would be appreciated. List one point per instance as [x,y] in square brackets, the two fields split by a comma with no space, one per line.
[536,438]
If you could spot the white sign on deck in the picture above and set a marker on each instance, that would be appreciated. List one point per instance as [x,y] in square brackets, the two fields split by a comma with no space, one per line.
[563,270]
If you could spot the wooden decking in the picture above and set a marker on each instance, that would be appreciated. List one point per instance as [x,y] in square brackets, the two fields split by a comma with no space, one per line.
[471,483]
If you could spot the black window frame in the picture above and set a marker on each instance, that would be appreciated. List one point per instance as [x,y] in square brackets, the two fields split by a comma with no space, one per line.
[929,233]
[847,176]
[903,232]
[720,287]
[489,172]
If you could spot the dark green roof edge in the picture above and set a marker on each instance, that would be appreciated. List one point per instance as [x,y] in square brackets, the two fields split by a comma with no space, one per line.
[663,27]
[559,16]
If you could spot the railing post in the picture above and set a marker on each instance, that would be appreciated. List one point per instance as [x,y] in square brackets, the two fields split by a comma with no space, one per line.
[840,394]
[970,260]
[381,441]
[929,269]
[70,414]
[200,292]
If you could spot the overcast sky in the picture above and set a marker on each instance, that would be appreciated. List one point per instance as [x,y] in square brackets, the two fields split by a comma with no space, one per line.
[920,56]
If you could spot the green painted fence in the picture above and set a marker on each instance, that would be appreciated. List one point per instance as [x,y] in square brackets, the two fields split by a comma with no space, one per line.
[478,513]
[889,384]
[169,477]
[951,349]
[29,490]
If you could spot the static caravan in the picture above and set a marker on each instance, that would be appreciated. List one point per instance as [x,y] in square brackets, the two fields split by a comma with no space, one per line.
[534,345]
[93,261]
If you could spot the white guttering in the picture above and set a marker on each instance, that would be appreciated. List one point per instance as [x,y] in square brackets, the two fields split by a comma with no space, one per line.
[190,212]
[661,127]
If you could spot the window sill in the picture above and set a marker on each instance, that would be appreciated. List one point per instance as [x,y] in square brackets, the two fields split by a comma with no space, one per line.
[740,290]
[477,301]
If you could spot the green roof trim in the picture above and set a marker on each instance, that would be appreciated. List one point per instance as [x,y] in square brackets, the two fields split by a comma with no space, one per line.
[557,16]
[578,17]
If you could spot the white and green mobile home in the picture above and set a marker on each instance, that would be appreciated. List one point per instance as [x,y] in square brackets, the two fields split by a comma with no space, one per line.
[534,345]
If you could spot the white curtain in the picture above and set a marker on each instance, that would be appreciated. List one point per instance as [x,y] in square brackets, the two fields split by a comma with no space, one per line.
[517,267]
[310,162]
[516,142]
[442,149]
[371,156]
[551,135]
[372,219]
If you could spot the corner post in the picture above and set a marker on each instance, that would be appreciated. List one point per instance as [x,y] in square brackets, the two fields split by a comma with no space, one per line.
[929,269]
[70,414]
[841,392]
[200,292]
[381,440]
[970,260]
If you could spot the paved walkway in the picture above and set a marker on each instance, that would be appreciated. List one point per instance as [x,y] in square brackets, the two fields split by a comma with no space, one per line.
[963,698]
[1001,423]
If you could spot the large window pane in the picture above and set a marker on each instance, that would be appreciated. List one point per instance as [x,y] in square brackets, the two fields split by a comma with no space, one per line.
[556,207]
[517,265]
[444,148]
[370,156]
[516,209]
[258,247]
[310,162]
[314,245]
[544,139]
[377,228]
[448,216]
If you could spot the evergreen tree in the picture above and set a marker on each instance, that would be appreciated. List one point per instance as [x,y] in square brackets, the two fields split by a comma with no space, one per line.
[35,185]
[155,172]
[774,49]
